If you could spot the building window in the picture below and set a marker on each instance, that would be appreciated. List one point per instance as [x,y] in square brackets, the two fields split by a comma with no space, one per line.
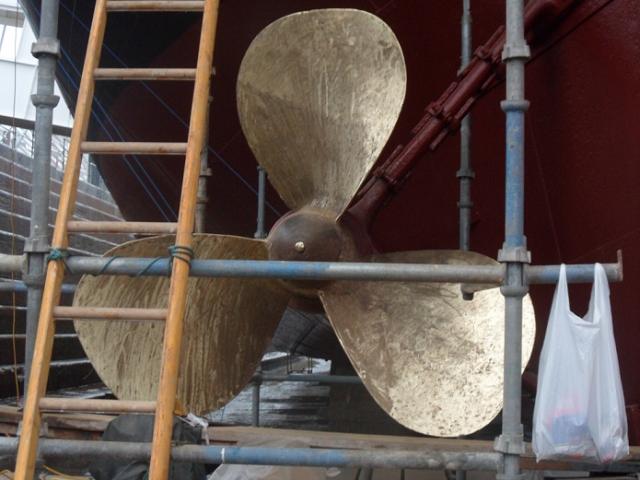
[9,41]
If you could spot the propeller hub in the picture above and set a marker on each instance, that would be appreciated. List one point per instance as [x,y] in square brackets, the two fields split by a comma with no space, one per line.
[306,235]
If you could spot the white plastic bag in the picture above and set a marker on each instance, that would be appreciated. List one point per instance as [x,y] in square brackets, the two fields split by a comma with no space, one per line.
[580,411]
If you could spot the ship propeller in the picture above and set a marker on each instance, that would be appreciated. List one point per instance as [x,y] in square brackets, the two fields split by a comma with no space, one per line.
[318,94]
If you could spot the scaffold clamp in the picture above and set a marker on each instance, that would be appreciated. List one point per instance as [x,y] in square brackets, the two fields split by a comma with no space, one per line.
[512,443]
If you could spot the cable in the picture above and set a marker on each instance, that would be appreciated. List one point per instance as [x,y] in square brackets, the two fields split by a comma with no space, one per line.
[94,115]
[101,124]
[173,112]
[60,254]
[182,253]
[12,207]
[63,475]
[210,149]
[149,265]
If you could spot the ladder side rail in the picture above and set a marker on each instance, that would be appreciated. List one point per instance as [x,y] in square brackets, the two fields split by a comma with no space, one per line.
[27,451]
[167,389]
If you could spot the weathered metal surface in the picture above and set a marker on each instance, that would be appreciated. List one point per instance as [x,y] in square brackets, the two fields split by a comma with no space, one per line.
[318,95]
[432,360]
[228,324]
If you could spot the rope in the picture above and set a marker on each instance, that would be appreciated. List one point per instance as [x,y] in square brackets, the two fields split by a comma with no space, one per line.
[150,264]
[59,474]
[106,265]
[183,253]
[180,252]
[56,254]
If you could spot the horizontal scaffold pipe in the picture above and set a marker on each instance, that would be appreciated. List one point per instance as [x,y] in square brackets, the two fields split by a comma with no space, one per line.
[295,270]
[308,457]
[11,263]
[403,272]
[21,287]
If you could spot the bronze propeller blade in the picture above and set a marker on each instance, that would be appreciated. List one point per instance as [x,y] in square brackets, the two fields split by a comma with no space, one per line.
[228,325]
[318,95]
[430,359]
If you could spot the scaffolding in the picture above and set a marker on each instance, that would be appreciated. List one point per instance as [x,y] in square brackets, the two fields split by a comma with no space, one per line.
[514,275]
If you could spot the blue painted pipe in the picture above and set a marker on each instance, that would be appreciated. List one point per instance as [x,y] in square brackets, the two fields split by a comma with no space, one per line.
[21,287]
[484,274]
[514,185]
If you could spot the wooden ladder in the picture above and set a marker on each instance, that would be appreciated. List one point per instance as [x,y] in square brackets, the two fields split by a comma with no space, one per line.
[173,315]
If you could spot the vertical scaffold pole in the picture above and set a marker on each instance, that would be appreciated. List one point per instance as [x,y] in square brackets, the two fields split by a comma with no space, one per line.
[262,192]
[465,173]
[255,399]
[514,252]
[205,173]
[47,50]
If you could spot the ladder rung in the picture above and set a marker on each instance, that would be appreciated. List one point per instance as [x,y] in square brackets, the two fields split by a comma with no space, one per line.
[93,405]
[152,228]
[155,5]
[133,148]
[145,73]
[96,313]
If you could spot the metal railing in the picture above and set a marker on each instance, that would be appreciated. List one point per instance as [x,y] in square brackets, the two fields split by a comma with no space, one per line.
[18,135]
